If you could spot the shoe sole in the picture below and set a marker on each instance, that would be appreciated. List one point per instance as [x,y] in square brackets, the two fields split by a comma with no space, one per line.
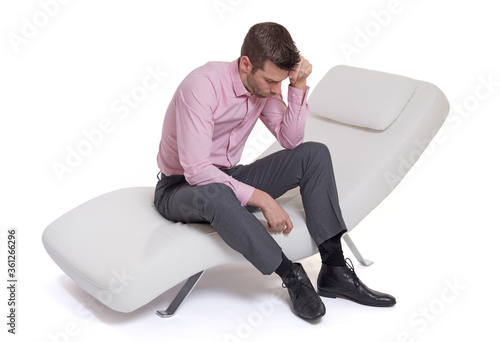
[324,293]
[310,319]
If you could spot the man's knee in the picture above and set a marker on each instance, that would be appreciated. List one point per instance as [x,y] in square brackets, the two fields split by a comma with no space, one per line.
[315,149]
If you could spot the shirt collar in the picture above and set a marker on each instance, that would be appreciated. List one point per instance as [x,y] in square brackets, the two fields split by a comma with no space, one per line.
[239,88]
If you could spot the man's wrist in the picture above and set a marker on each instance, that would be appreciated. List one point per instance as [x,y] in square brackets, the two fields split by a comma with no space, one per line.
[299,85]
[259,199]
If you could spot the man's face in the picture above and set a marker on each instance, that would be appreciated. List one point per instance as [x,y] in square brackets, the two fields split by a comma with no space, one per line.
[267,81]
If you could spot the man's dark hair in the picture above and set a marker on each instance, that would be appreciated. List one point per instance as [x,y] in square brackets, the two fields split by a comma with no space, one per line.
[270,41]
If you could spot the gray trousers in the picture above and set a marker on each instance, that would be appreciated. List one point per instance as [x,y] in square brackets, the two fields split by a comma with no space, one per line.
[308,166]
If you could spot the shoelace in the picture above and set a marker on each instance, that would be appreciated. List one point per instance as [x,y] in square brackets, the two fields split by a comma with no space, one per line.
[349,264]
[287,279]
[297,285]
[283,285]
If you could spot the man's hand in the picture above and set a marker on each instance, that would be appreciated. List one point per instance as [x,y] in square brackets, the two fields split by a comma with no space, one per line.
[298,76]
[277,218]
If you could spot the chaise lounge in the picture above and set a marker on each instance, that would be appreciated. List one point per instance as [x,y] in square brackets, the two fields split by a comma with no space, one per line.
[376,126]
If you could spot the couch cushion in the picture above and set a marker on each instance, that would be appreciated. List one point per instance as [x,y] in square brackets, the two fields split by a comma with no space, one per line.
[361,97]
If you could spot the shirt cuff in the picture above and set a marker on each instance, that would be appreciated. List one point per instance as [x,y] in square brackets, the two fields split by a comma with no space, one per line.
[243,192]
[297,96]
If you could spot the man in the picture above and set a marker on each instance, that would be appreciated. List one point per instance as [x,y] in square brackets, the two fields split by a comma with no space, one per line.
[206,125]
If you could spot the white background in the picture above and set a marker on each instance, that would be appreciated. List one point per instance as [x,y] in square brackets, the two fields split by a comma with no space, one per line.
[66,66]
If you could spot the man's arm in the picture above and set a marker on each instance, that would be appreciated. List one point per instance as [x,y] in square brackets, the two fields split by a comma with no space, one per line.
[278,220]
[195,102]
[287,123]
[298,76]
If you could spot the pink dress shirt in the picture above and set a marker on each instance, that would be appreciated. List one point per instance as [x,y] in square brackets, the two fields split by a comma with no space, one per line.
[211,116]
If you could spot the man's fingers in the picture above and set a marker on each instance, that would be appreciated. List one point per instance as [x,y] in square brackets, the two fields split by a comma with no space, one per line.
[305,69]
[301,72]
[289,226]
[283,227]
[278,220]
[293,74]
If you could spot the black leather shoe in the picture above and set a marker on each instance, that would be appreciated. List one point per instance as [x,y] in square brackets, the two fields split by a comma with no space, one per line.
[343,282]
[305,300]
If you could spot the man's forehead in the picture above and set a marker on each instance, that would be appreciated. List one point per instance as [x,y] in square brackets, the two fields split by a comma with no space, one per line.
[271,71]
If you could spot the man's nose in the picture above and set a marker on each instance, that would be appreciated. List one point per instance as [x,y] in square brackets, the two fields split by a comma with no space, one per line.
[276,89]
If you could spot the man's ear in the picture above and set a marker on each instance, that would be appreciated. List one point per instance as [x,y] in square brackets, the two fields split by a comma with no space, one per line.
[245,64]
